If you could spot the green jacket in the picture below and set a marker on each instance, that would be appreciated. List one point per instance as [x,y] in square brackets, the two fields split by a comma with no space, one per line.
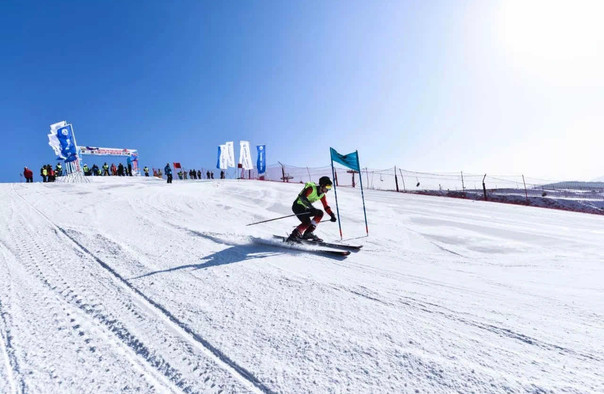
[313,196]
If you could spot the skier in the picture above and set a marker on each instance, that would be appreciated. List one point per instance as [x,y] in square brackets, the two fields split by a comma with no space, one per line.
[304,209]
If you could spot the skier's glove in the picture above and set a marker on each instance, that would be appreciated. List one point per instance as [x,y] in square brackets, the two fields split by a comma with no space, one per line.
[333,218]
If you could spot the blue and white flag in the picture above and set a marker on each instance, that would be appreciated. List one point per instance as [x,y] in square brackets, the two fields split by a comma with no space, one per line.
[223,157]
[245,158]
[261,162]
[230,154]
[62,141]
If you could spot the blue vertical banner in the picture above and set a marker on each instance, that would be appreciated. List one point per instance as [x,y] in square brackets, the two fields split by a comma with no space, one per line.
[261,162]
[218,158]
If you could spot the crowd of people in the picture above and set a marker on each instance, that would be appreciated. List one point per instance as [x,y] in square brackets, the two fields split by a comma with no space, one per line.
[49,174]
[191,174]
[106,170]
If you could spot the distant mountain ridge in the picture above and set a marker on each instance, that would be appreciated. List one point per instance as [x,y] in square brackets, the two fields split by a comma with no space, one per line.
[576,185]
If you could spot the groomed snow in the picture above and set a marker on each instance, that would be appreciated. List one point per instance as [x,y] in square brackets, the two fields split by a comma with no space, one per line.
[131,284]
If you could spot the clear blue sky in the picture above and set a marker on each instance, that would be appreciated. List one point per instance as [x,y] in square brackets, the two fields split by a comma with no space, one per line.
[505,87]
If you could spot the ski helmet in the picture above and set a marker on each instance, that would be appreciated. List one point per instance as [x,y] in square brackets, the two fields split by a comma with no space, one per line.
[325,181]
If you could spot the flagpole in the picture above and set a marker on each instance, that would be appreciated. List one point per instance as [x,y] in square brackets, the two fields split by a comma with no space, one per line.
[362,194]
[335,191]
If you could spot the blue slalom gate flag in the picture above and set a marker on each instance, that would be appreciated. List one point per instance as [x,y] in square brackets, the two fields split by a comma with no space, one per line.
[350,160]
[218,158]
[261,162]
[66,140]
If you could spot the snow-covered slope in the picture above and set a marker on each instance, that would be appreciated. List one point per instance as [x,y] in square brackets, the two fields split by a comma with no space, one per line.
[136,285]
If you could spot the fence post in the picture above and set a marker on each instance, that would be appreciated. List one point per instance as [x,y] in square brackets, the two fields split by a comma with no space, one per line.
[395,179]
[484,188]
[282,172]
[403,178]
[525,192]
[463,187]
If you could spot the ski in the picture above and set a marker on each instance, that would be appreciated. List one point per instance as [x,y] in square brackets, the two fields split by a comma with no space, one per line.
[303,247]
[325,244]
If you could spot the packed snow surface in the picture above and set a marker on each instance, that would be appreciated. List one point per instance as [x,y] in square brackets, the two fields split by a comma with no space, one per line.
[131,284]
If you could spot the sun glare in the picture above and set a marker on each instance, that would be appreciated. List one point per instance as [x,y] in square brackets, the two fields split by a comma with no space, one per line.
[556,39]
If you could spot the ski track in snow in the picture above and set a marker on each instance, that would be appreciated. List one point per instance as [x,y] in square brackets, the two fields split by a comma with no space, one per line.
[93,311]
[148,288]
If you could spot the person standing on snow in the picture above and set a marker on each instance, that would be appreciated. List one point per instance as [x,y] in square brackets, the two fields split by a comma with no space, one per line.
[304,209]
[28,174]
[168,172]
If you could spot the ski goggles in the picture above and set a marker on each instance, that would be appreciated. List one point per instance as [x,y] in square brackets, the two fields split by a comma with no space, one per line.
[327,187]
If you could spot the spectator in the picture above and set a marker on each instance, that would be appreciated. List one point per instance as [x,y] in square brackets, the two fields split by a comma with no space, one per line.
[198,174]
[168,172]
[59,169]
[113,169]
[222,174]
[105,169]
[120,169]
[146,170]
[51,173]
[28,174]
[129,162]
[43,173]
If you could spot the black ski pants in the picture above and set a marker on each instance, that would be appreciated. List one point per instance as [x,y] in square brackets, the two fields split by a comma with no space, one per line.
[304,215]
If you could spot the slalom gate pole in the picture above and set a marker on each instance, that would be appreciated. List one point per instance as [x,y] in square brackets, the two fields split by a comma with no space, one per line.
[362,194]
[282,217]
[335,191]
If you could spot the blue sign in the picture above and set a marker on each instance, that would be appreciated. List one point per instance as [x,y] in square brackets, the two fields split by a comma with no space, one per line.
[261,162]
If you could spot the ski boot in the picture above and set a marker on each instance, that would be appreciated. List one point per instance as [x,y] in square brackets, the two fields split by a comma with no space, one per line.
[309,235]
[294,237]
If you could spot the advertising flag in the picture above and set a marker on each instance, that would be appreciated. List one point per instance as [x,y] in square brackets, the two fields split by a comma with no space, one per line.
[230,152]
[218,157]
[245,159]
[62,141]
[350,160]
[223,159]
[261,162]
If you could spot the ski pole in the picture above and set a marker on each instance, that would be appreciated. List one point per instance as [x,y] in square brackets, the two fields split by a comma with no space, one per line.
[282,217]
